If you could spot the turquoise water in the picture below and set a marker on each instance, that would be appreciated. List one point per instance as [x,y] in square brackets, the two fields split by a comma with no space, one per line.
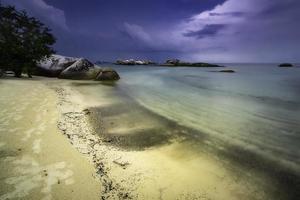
[256,108]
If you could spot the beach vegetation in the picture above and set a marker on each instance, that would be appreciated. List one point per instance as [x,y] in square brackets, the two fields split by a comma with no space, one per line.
[24,41]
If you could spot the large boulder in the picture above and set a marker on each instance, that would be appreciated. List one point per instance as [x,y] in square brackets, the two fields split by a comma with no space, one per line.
[82,69]
[54,65]
[107,74]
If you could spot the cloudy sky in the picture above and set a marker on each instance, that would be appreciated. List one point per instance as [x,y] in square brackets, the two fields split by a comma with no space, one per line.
[192,30]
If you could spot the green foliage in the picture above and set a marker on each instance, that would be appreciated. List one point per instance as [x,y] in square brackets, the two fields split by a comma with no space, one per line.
[24,41]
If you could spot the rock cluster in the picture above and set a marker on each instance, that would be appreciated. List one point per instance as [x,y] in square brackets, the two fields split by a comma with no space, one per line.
[134,62]
[74,68]
[177,62]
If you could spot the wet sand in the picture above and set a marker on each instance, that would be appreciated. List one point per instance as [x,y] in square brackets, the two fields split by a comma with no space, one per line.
[135,153]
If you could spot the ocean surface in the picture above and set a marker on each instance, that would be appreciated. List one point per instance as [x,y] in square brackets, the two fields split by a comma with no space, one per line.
[250,119]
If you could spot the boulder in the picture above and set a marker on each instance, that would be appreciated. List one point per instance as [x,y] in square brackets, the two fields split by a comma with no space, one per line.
[74,68]
[107,74]
[227,71]
[286,65]
[82,69]
[54,65]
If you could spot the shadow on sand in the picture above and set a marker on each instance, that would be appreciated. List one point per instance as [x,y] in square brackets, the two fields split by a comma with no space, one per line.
[129,126]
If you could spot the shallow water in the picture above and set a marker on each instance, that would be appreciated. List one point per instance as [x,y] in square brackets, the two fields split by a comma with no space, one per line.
[257,107]
[249,120]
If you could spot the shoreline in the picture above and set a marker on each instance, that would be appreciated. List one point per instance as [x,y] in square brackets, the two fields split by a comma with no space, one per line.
[110,159]
[74,124]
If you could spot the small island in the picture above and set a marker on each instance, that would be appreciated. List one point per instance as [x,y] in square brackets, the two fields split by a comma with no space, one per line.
[178,63]
[167,63]
[134,62]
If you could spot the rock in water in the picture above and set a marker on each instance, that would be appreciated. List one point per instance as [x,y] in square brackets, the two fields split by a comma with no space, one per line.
[286,65]
[107,74]
[82,69]
[54,65]
[227,71]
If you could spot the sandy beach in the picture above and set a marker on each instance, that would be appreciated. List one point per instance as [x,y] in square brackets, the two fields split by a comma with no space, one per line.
[59,142]
[36,161]
[149,100]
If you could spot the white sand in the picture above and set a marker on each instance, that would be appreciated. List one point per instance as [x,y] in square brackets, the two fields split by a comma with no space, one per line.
[36,161]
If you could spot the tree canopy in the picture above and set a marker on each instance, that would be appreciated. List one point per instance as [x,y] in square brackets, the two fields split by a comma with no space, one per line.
[24,41]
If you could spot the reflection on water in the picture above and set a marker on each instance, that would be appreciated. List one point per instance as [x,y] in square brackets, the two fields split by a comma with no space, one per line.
[247,122]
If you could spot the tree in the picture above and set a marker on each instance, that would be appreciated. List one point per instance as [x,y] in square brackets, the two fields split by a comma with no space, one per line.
[24,41]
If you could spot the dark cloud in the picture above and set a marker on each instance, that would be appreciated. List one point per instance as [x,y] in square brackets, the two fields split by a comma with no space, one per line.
[48,13]
[209,30]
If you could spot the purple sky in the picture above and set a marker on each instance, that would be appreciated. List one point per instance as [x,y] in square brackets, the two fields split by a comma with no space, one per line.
[191,30]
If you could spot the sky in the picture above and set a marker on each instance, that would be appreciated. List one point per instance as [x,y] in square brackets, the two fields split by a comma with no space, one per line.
[217,31]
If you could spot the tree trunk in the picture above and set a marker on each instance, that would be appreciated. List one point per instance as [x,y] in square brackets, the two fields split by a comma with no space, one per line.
[18,73]
[1,73]
[29,70]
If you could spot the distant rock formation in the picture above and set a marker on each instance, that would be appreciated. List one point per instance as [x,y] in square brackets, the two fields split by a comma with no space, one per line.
[73,68]
[107,74]
[286,65]
[173,61]
[177,62]
[102,62]
[134,62]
